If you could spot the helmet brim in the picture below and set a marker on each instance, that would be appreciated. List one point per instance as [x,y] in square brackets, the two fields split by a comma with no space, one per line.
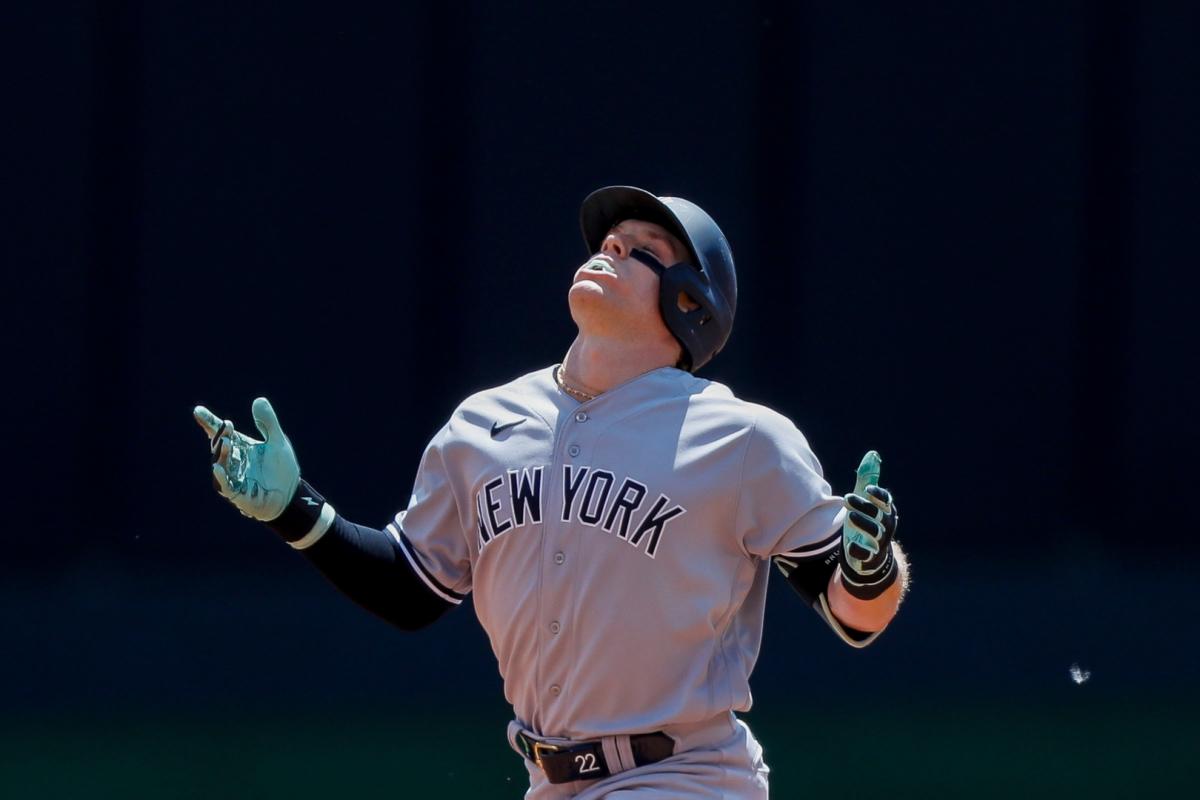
[604,208]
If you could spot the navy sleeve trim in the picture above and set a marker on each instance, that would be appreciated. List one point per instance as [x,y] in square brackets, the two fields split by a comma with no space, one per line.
[435,586]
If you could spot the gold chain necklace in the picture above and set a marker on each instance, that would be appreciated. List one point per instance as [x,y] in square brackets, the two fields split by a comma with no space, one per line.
[578,394]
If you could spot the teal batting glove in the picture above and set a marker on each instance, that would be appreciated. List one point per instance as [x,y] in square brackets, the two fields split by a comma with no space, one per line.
[867,561]
[258,477]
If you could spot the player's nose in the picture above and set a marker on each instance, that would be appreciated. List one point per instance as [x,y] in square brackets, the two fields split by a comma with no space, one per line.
[615,245]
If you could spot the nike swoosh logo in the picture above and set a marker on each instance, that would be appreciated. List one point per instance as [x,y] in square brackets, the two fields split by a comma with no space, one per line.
[497,427]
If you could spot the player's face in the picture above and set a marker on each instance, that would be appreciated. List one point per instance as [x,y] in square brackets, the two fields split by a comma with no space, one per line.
[615,294]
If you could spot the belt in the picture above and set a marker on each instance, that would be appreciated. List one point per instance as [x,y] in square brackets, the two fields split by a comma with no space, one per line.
[585,761]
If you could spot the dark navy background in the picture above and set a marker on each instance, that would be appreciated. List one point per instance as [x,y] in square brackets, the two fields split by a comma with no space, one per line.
[965,236]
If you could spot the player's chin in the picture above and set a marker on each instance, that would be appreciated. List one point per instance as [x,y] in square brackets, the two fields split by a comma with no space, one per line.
[586,291]
[590,302]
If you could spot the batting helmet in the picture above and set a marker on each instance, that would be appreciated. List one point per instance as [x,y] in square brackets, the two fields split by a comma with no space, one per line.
[709,278]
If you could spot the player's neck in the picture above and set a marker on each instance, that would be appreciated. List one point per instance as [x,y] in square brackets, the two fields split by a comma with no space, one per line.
[596,364]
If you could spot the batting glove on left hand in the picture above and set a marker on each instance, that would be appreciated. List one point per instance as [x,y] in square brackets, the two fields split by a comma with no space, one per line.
[867,561]
[258,477]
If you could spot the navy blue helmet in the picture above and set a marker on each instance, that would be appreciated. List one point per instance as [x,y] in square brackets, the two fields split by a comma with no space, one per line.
[708,277]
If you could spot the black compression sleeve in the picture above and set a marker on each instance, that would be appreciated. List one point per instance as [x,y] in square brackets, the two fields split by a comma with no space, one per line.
[369,568]
[810,578]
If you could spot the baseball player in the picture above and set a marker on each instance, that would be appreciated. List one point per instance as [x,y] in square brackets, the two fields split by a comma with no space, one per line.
[614,517]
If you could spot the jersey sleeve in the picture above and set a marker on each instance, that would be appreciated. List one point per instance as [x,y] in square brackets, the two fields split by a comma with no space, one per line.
[785,507]
[429,531]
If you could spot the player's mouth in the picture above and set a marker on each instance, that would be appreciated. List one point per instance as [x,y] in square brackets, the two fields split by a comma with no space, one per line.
[599,265]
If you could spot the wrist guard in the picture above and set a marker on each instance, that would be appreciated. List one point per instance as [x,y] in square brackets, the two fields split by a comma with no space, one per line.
[304,519]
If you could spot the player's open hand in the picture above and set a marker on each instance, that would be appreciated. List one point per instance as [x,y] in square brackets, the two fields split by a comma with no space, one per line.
[867,558]
[258,477]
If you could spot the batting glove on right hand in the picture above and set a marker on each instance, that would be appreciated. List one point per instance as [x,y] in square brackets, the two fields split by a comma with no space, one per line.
[867,561]
[258,477]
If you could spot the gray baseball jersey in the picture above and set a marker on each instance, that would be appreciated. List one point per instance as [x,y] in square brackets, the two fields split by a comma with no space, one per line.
[617,550]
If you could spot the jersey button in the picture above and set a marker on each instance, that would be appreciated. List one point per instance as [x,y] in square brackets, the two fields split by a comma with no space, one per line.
[555,627]
[559,558]
[573,450]
[581,416]
[555,690]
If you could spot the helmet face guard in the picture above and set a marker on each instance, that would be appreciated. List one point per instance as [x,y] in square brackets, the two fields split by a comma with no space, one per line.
[707,277]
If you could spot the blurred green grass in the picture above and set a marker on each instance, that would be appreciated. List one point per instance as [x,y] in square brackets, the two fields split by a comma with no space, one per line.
[973,751]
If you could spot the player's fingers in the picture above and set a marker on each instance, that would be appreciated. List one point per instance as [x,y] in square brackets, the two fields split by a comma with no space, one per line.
[866,524]
[860,546]
[879,493]
[265,419]
[206,420]
[881,497]
[222,435]
[222,448]
[868,472]
[858,543]
[863,506]
[221,481]
[861,553]
[891,520]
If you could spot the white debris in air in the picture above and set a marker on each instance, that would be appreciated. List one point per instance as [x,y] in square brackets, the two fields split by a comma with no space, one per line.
[1079,675]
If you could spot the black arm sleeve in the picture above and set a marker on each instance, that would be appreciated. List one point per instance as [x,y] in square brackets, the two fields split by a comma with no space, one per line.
[368,567]
[365,564]
[810,578]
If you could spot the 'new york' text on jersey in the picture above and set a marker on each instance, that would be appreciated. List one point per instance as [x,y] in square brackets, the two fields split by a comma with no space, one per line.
[617,550]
